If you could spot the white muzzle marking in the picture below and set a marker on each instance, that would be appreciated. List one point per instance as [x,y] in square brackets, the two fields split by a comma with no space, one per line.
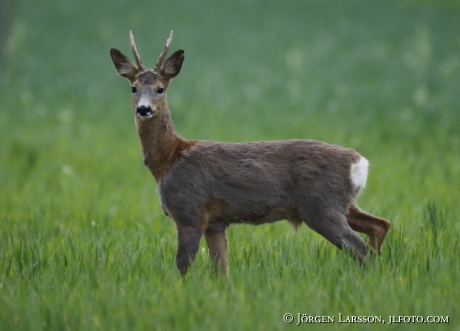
[144,109]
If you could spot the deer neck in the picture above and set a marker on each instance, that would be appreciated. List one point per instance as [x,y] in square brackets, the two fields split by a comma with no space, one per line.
[161,145]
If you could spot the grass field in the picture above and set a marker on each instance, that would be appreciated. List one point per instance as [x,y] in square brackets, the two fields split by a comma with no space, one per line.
[84,244]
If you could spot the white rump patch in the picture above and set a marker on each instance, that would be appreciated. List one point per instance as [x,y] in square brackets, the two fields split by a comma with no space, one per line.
[358,173]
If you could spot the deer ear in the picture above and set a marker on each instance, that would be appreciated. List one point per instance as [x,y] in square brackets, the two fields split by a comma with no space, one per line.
[172,65]
[123,64]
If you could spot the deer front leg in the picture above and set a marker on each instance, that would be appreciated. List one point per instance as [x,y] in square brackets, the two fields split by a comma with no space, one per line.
[188,244]
[217,244]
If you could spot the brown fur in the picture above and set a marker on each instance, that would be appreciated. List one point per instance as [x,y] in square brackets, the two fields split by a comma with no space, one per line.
[217,244]
[160,153]
[205,186]
[374,227]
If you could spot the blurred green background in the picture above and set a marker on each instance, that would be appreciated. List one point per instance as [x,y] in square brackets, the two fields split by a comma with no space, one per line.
[77,205]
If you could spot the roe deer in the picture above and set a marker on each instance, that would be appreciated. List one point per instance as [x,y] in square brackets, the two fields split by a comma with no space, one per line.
[205,186]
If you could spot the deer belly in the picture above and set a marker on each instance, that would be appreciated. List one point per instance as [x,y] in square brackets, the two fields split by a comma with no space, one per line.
[273,215]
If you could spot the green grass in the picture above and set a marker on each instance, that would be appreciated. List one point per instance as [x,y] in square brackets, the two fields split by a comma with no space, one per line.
[84,244]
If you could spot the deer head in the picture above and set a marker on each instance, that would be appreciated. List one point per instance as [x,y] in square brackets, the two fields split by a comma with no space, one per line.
[148,86]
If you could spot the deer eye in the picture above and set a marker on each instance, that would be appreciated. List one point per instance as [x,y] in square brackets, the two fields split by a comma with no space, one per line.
[160,90]
[133,89]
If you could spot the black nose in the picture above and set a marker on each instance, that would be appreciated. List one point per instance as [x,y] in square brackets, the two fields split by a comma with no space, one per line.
[144,111]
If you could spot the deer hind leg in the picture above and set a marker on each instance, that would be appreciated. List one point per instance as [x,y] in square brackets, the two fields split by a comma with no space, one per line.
[188,244]
[217,244]
[374,227]
[334,227]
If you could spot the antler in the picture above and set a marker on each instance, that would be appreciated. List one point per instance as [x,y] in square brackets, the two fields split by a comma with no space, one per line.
[160,60]
[136,54]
